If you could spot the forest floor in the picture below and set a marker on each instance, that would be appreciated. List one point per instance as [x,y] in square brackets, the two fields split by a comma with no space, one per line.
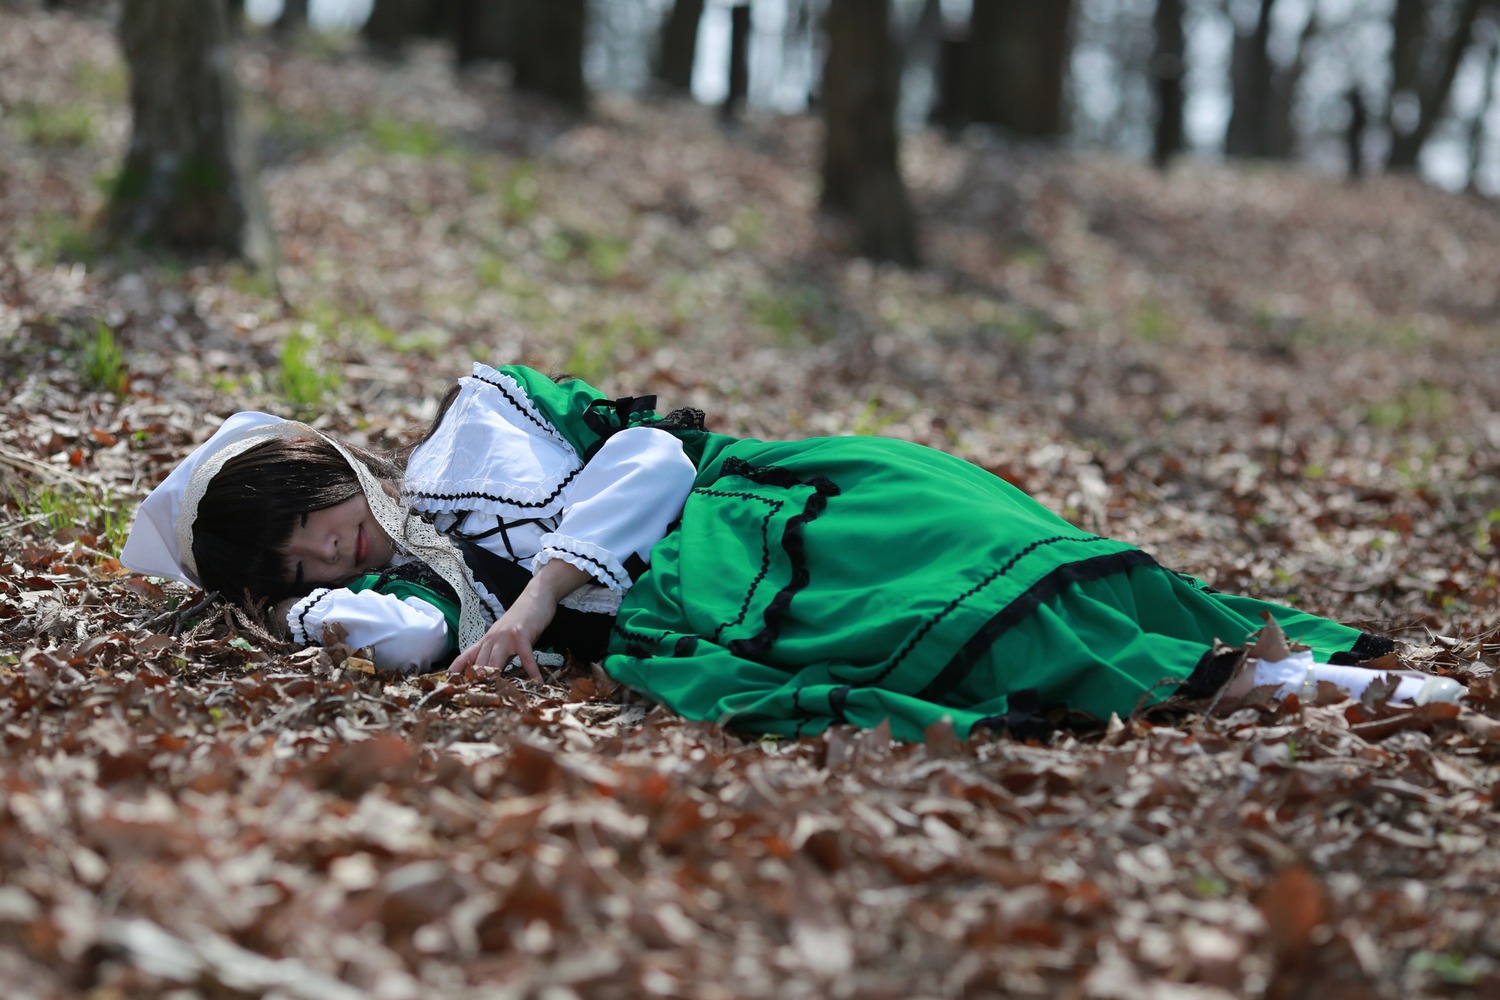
[1285,384]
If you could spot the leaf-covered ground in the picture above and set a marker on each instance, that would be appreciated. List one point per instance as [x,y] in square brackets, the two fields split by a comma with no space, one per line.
[1284,384]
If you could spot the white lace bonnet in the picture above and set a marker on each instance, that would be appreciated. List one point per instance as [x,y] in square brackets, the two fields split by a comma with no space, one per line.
[161,540]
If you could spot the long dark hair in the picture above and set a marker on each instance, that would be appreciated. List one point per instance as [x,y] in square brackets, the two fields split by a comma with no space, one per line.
[255,501]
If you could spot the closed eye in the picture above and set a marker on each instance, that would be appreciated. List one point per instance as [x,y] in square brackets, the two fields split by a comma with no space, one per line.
[297,577]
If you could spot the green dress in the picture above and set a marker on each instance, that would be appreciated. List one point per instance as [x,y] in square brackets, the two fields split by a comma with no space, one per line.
[864,579]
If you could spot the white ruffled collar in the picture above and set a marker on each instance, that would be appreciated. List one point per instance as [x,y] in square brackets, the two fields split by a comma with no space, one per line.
[492,452]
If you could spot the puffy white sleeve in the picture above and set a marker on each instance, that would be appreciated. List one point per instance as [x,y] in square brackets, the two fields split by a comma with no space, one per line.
[403,635]
[620,505]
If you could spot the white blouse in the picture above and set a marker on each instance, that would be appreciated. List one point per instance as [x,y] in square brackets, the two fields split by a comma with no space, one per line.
[496,472]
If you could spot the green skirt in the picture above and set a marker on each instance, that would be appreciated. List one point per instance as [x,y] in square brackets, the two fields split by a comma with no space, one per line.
[855,580]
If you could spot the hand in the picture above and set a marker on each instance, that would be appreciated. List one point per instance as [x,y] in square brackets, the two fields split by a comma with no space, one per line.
[513,635]
[517,631]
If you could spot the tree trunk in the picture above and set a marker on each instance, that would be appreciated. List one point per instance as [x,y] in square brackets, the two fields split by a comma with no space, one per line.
[1015,65]
[1354,134]
[947,111]
[1476,124]
[547,50]
[1432,95]
[1280,129]
[1408,40]
[187,182]
[739,62]
[1168,65]
[293,18]
[799,33]
[678,51]
[481,30]
[392,22]
[1251,73]
[921,38]
[861,145]
[1260,124]
[928,28]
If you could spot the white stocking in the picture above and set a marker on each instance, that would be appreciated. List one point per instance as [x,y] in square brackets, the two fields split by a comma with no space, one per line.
[1299,674]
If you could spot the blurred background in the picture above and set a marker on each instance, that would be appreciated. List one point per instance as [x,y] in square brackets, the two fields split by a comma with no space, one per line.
[1421,69]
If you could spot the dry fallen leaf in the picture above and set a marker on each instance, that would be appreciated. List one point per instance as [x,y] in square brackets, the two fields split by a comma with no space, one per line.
[1251,373]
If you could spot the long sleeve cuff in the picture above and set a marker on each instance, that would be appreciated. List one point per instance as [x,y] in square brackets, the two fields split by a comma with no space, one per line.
[402,635]
[622,504]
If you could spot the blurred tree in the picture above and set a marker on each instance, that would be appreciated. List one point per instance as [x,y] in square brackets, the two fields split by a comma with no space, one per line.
[293,17]
[927,27]
[547,49]
[392,23]
[1168,67]
[481,30]
[677,51]
[861,144]
[947,109]
[1354,133]
[187,182]
[1013,66]
[799,33]
[921,50]
[1477,131]
[1260,122]
[1251,76]
[739,62]
[1424,63]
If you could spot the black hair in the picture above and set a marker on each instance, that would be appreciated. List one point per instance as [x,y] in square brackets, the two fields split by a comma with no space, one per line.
[255,501]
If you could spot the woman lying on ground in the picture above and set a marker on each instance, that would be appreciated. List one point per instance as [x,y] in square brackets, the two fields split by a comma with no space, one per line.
[770,586]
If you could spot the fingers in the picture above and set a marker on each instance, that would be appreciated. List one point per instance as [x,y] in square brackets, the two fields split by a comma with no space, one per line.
[528,661]
[493,652]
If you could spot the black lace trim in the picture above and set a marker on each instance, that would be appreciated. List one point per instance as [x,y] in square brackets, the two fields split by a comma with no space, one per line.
[638,640]
[958,601]
[765,551]
[419,573]
[756,646]
[1196,583]
[958,667]
[607,417]
[496,498]
[316,599]
[686,418]
[1024,719]
[1212,672]
[838,702]
[504,391]
[1366,647]
[604,571]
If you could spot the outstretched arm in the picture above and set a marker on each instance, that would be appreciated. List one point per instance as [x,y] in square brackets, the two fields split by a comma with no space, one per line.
[517,631]
[405,632]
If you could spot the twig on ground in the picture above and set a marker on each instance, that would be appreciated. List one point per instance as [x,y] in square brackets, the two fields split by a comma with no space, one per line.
[25,463]
[180,616]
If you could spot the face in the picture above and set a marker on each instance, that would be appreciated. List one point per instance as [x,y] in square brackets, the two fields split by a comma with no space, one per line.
[328,547]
